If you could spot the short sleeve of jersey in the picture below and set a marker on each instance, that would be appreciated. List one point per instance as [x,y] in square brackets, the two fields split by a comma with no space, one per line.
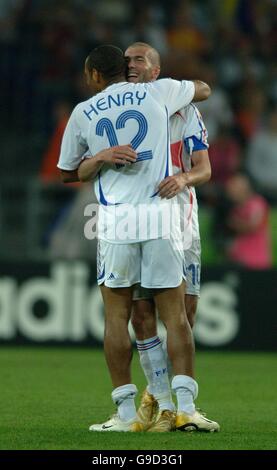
[74,146]
[176,94]
[87,155]
[195,133]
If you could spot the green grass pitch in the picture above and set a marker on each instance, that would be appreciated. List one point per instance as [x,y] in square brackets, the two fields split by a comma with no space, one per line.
[49,397]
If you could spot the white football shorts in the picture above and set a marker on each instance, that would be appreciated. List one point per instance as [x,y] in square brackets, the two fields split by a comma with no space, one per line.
[192,268]
[155,264]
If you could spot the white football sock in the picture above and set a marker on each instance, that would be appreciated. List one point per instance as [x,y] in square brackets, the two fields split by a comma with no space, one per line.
[153,363]
[124,399]
[186,390]
[168,362]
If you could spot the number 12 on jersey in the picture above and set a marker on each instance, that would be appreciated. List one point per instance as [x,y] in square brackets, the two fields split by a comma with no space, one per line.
[106,125]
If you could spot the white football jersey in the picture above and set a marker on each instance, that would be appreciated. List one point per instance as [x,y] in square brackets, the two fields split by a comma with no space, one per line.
[187,134]
[126,113]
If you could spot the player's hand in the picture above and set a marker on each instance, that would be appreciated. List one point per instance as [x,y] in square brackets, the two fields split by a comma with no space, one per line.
[172,185]
[119,155]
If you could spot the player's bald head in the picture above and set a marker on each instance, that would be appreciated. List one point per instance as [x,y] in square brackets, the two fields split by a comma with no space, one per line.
[143,62]
[151,52]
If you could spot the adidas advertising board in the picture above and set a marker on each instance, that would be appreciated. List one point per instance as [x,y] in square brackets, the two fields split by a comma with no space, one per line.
[60,303]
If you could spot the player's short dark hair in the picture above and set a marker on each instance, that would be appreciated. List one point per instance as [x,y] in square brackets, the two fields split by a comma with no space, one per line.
[109,60]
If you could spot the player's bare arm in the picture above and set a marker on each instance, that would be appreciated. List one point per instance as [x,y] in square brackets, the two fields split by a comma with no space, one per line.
[118,155]
[201,171]
[202,91]
[199,174]
[69,176]
[88,169]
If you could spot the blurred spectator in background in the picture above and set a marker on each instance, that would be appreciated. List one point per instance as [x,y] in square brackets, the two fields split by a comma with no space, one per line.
[148,27]
[262,158]
[188,40]
[249,244]
[216,111]
[67,239]
[68,223]
[251,111]
[65,224]
[9,12]
[49,171]
[186,34]
[224,153]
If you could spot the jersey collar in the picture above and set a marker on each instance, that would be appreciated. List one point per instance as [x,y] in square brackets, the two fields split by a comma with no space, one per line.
[115,85]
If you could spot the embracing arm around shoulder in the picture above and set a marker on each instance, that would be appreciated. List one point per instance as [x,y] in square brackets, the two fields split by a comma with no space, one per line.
[76,163]
[202,91]
[90,166]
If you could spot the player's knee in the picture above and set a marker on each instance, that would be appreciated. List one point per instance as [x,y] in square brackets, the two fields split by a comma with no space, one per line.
[143,320]
[175,320]
[112,328]
[144,327]
[137,323]
[116,321]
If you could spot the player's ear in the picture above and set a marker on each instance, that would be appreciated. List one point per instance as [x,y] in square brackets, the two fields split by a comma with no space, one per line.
[96,76]
[156,72]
